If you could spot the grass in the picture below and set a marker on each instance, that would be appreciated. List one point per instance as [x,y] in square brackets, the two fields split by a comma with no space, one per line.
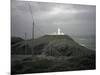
[51,54]
[38,64]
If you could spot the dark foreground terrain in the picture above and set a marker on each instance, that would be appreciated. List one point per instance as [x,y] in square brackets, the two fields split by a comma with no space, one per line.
[50,53]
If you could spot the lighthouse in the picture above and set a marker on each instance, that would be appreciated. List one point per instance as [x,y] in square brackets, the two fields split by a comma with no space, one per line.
[57,33]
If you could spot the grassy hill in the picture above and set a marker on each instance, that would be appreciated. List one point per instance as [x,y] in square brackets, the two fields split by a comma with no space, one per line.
[57,43]
[51,53]
[15,40]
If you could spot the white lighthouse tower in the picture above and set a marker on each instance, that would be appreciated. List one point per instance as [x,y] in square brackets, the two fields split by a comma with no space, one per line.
[57,33]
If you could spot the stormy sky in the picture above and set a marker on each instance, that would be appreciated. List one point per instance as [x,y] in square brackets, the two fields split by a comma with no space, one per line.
[72,19]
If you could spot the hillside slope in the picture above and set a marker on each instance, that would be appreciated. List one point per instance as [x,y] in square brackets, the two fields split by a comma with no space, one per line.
[56,45]
[51,53]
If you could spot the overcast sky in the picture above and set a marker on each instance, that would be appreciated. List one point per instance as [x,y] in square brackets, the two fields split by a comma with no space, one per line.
[72,19]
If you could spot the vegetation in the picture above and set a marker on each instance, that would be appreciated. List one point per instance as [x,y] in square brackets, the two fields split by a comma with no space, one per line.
[50,53]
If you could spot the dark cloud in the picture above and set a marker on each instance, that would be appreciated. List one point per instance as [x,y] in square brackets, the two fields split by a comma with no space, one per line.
[72,19]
